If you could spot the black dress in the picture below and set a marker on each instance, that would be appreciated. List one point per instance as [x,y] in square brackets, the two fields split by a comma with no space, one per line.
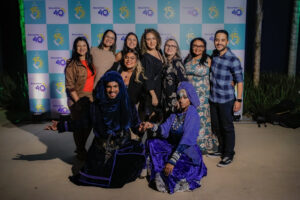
[153,68]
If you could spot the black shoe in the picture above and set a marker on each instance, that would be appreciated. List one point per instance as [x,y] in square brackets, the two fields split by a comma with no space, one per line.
[214,155]
[224,162]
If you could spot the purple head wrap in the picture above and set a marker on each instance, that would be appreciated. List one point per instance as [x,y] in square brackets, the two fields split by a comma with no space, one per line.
[190,91]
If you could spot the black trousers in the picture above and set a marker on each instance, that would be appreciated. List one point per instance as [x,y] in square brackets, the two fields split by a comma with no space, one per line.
[222,127]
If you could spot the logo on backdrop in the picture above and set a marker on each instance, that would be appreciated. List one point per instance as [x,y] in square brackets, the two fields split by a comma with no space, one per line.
[39,108]
[189,36]
[102,11]
[58,39]
[79,11]
[40,87]
[60,12]
[238,11]
[60,61]
[213,12]
[60,87]
[193,11]
[37,62]
[124,12]
[35,12]
[147,11]
[38,38]
[62,109]
[169,12]
[234,38]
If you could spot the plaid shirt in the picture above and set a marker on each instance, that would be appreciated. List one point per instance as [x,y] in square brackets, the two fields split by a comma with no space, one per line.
[224,70]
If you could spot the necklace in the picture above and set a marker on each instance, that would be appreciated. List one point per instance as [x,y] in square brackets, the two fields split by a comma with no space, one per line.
[178,122]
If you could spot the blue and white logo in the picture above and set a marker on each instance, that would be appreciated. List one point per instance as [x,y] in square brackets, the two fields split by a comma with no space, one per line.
[57,84]
[57,12]
[39,105]
[236,35]
[101,12]
[36,37]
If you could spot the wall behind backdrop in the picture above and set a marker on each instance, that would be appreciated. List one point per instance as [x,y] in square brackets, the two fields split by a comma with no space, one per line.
[52,26]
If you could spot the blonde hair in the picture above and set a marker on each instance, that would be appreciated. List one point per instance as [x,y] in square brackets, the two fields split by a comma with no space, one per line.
[139,69]
[143,45]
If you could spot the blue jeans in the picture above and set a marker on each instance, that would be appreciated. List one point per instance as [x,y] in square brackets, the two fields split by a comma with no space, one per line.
[222,127]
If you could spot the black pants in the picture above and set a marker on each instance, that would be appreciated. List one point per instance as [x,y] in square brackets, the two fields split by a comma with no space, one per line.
[222,127]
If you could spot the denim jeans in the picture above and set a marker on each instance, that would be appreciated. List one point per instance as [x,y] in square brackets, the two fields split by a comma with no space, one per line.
[222,127]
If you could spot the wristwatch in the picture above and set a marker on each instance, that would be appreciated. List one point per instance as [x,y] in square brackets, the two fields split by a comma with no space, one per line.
[239,100]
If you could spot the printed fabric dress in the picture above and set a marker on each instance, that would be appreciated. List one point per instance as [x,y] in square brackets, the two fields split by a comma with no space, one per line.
[198,75]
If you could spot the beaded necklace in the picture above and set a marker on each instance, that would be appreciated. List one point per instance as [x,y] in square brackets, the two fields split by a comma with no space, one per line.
[179,120]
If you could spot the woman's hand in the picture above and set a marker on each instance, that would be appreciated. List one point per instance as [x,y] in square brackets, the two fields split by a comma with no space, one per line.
[168,169]
[145,125]
[154,100]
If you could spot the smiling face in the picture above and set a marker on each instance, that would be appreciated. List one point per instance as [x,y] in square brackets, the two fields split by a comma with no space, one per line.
[170,48]
[221,42]
[130,60]
[112,89]
[183,100]
[131,41]
[81,48]
[198,47]
[109,39]
[151,41]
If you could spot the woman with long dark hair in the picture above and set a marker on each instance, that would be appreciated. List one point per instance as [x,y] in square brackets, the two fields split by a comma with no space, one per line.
[80,75]
[104,54]
[131,42]
[197,66]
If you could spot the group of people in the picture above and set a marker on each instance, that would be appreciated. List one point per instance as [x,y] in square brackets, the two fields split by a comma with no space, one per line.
[178,109]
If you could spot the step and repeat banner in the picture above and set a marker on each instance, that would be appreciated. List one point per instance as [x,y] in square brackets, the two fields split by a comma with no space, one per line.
[52,26]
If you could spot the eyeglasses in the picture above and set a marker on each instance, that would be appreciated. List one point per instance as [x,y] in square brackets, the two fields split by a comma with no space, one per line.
[111,38]
[198,46]
[171,46]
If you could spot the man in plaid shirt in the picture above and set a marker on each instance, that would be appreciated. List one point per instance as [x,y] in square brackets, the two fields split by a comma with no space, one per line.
[226,70]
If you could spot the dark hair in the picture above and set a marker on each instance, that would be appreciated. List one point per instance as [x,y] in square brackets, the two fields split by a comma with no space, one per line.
[114,46]
[222,31]
[88,57]
[126,48]
[191,54]
[143,40]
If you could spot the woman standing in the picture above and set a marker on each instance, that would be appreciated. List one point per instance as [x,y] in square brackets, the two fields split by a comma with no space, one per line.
[131,42]
[197,66]
[80,76]
[104,54]
[173,73]
[152,61]
[132,73]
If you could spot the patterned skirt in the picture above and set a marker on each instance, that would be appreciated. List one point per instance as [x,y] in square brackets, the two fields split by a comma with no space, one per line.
[186,174]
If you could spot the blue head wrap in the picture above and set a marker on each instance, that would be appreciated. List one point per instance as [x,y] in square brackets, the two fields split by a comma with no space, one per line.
[116,112]
[190,91]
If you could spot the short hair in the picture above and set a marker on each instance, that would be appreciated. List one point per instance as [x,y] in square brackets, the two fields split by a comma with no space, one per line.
[222,31]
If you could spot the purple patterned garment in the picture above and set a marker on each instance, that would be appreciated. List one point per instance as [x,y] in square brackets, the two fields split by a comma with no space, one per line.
[189,167]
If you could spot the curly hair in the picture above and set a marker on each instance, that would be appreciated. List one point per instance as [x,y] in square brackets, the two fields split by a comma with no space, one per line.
[143,45]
